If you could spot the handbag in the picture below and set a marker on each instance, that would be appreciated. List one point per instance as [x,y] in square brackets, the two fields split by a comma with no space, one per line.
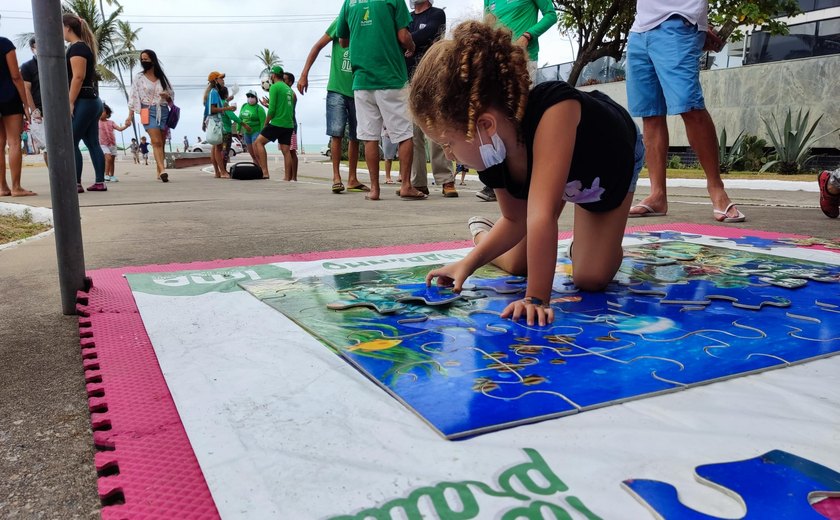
[214,127]
[174,116]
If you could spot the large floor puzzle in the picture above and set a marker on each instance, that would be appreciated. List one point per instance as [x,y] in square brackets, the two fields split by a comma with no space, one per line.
[209,402]
[678,314]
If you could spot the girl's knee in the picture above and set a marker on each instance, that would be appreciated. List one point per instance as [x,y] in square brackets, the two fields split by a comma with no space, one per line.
[591,280]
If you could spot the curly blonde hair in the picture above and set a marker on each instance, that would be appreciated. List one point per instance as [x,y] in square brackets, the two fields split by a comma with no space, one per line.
[459,79]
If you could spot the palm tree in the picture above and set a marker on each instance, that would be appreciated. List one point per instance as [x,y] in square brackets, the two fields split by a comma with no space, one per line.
[269,58]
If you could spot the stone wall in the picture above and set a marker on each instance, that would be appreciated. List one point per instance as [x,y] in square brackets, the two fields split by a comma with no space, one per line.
[737,98]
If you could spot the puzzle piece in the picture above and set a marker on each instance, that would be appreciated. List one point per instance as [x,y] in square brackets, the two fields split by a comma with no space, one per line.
[776,484]
[504,285]
[811,242]
[702,292]
[751,241]
[661,235]
[380,306]
[427,295]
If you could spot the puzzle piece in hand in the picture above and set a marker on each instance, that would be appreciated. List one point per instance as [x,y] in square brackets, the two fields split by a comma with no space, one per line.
[702,292]
[751,241]
[777,484]
[420,293]
[505,285]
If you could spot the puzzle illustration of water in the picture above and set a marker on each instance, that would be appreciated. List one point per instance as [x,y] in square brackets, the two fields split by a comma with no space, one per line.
[678,314]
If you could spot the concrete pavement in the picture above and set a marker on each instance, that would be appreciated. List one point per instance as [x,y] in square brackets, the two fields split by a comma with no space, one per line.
[46,449]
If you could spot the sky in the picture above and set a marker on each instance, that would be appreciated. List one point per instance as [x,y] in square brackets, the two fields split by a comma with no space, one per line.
[194,37]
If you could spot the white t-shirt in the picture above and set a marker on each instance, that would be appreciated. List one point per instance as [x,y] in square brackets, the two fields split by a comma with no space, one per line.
[651,13]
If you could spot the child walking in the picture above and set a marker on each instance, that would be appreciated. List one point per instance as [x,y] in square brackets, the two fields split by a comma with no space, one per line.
[108,141]
[135,150]
[538,149]
[144,149]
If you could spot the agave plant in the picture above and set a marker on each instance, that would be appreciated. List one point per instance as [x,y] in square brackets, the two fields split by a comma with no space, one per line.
[793,142]
[753,153]
[729,156]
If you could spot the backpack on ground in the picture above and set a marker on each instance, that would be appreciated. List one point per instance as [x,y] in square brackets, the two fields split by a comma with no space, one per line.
[245,171]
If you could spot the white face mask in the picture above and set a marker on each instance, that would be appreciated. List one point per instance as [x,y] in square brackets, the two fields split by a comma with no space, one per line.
[492,153]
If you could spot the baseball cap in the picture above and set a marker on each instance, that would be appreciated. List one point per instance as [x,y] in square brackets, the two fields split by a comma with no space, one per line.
[213,76]
[250,93]
[277,70]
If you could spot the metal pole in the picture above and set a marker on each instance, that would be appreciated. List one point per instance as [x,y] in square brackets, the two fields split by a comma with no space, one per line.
[52,70]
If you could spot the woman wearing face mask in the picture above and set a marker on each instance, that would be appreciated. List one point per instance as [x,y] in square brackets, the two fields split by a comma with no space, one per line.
[253,115]
[151,93]
[214,106]
[85,105]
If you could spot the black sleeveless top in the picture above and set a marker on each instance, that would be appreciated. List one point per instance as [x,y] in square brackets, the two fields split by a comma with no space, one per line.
[604,157]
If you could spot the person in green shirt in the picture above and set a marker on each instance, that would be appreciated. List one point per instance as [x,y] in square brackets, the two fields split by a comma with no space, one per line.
[520,16]
[279,123]
[377,32]
[253,115]
[341,108]
[228,118]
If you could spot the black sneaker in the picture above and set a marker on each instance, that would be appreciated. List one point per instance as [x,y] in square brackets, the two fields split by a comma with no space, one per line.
[487,194]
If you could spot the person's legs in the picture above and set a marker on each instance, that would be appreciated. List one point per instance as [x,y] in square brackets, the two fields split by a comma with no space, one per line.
[294,156]
[372,160]
[419,175]
[369,129]
[157,149]
[598,253]
[90,136]
[353,162]
[388,164]
[442,170]
[109,165]
[392,103]
[262,156]
[215,160]
[335,157]
[336,122]
[655,135]
[12,128]
[5,191]
[287,162]
[227,142]
[702,137]
[406,151]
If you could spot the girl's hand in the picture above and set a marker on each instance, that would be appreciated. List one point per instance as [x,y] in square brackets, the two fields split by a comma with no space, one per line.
[452,275]
[543,313]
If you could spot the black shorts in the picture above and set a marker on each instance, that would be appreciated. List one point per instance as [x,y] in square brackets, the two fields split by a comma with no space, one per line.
[10,108]
[277,133]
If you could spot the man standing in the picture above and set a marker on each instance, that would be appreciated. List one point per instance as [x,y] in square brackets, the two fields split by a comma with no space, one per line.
[520,16]
[341,108]
[278,123]
[32,88]
[186,144]
[663,77]
[375,31]
[427,25]
[289,79]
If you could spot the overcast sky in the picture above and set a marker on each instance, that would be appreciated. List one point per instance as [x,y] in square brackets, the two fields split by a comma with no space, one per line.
[194,37]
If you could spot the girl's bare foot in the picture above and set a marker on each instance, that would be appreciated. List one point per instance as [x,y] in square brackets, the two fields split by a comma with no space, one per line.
[22,193]
[5,193]
[372,195]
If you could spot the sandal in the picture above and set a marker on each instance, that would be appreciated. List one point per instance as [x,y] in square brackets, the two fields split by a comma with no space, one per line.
[337,187]
[649,212]
[720,216]
[359,188]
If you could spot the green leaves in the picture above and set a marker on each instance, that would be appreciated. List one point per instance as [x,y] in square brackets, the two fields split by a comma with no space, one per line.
[732,155]
[793,141]
[762,13]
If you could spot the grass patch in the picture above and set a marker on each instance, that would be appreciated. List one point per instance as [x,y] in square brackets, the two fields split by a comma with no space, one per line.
[14,228]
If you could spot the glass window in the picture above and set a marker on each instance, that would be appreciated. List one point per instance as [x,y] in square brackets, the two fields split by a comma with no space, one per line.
[828,37]
[807,5]
[825,4]
[799,43]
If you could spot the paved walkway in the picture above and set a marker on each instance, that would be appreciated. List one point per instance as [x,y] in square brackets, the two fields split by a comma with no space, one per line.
[46,451]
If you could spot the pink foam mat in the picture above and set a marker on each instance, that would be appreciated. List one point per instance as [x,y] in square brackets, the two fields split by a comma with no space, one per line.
[146,465]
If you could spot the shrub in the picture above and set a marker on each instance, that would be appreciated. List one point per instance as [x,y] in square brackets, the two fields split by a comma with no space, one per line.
[792,144]
[675,162]
[731,155]
[753,154]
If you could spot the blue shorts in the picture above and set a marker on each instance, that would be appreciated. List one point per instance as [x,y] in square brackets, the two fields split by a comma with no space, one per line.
[341,111]
[663,69]
[155,122]
[390,151]
[639,156]
[250,138]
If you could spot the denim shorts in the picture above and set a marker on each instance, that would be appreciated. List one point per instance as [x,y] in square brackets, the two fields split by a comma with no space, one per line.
[663,69]
[639,156]
[341,111]
[250,138]
[155,122]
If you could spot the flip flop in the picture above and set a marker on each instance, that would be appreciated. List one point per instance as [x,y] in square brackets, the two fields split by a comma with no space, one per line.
[720,216]
[337,187]
[419,196]
[649,212]
[359,188]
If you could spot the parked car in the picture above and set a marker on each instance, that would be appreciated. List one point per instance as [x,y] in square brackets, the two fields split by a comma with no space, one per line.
[326,150]
[235,148]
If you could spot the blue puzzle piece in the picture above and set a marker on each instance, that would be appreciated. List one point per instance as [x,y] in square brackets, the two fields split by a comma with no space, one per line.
[775,485]
[504,285]
[427,295]
[661,235]
[752,241]
[702,292]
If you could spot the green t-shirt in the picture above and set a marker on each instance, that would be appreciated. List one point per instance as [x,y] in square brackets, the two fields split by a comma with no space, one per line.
[280,108]
[372,26]
[520,16]
[253,116]
[228,117]
[341,72]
